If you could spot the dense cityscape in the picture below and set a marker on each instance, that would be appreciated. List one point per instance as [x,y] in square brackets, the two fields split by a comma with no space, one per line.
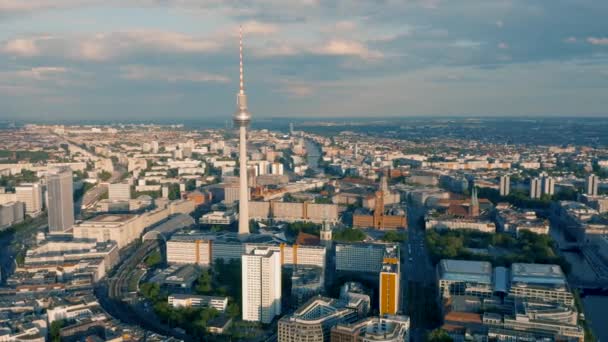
[131,232]
[294,228]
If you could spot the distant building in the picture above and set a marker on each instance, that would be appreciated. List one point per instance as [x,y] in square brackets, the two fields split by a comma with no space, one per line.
[548,186]
[31,196]
[535,188]
[380,219]
[513,221]
[505,185]
[261,285]
[592,185]
[293,212]
[11,213]
[60,200]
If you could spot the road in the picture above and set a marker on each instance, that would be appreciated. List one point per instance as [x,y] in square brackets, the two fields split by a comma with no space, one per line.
[112,292]
[13,242]
[418,276]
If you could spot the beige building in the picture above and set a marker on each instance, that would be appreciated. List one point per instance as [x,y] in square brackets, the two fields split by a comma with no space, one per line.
[125,228]
[204,249]
[31,195]
[292,212]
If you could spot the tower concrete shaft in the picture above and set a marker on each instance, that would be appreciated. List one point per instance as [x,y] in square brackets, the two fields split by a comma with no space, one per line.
[243,189]
[241,119]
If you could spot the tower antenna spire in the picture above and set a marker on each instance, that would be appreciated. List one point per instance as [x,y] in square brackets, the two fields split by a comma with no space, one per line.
[241,78]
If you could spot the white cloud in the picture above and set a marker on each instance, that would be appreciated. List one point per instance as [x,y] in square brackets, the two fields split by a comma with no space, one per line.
[503,45]
[171,75]
[21,47]
[105,46]
[296,90]
[570,40]
[41,73]
[257,27]
[465,43]
[338,47]
[500,24]
[597,41]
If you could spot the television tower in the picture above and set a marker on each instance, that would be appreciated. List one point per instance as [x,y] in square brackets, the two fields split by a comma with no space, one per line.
[241,119]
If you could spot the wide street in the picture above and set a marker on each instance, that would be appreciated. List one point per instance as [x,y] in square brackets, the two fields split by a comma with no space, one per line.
[418,276]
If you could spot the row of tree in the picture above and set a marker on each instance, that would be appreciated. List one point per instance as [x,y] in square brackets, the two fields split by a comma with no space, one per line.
[527,248]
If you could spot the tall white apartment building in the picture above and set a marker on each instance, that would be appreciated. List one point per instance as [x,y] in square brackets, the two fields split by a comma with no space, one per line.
[548,186]
[505,185]
[261,271]
[535,188]
[592,185]
[31,195]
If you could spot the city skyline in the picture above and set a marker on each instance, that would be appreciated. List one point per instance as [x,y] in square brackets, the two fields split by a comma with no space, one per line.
[146,60]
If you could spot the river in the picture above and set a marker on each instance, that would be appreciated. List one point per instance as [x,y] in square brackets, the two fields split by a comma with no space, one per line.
[595,313]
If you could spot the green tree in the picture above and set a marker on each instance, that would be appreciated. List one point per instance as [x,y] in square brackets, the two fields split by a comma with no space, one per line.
[154,259]
[349,235]
[191,184]
[439,335]
[233,310]
[174,192]
[172,173]
[203,284]
[55,330]
[104,176]
[394,236]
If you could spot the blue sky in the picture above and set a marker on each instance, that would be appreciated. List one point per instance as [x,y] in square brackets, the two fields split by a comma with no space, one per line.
[163,59]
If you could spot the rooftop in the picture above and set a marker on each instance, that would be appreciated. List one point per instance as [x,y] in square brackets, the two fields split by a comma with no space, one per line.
[464,270]
[112,218]
[537,274]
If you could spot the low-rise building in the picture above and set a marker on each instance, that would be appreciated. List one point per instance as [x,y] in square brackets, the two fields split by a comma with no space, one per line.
[178,300]
[387,328]
[513,221]
[313,320]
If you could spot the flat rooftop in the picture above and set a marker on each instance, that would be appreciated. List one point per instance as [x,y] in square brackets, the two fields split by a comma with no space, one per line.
[537,274]
[465,270]
[112,218]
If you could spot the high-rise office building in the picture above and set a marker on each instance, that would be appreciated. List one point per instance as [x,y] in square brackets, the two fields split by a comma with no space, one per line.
[505,185]
[592,185]
[60,200]
[535,188]
[31,195]
[241,119]
[389,284]
[261,285]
